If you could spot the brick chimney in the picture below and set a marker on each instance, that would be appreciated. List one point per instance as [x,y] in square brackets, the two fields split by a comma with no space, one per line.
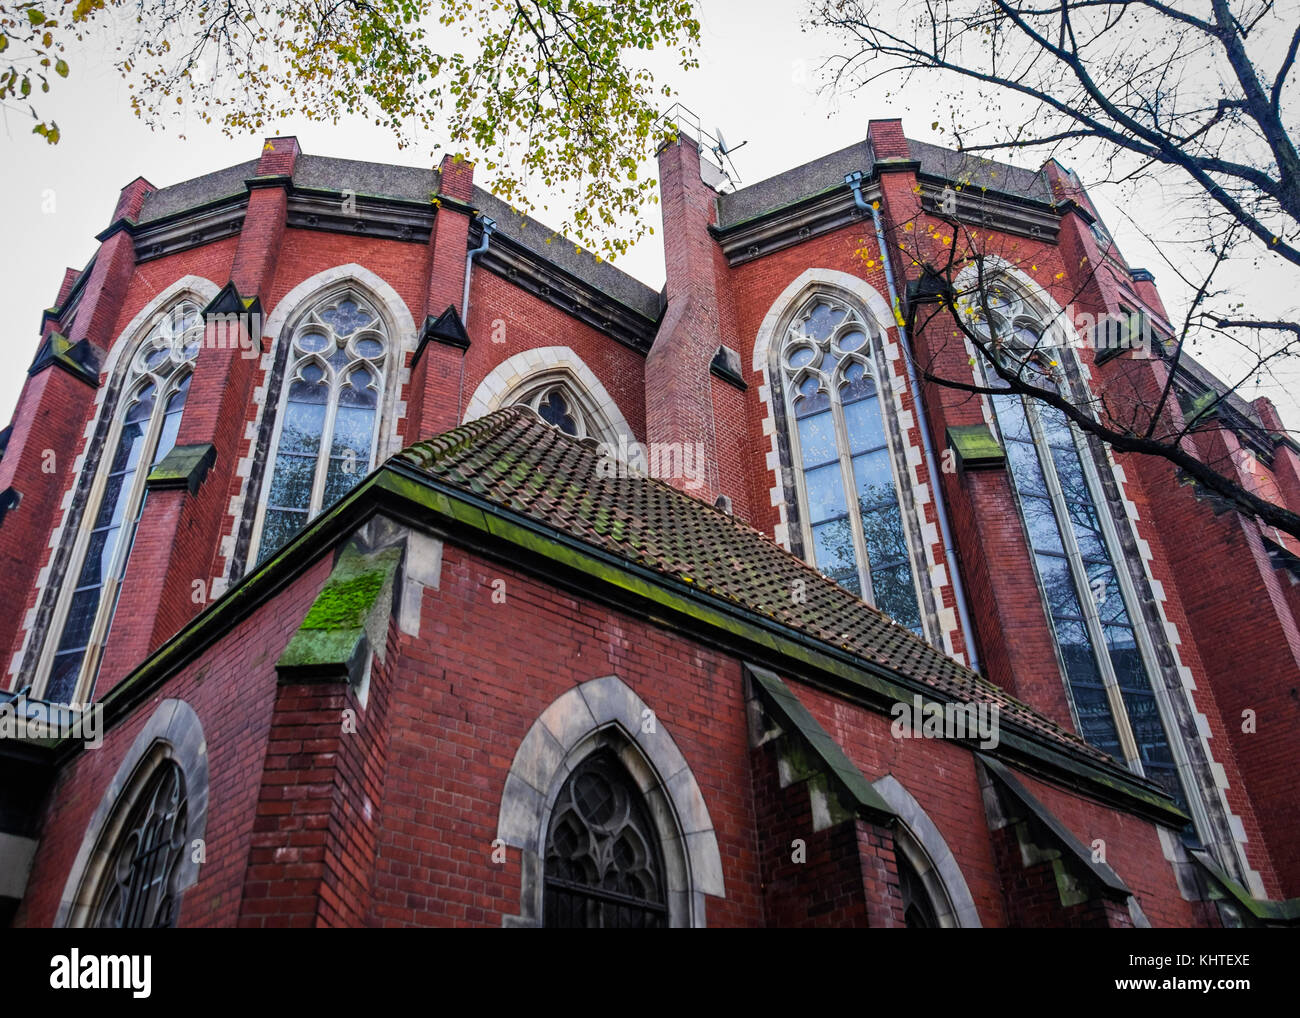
[887,140]
[678,386]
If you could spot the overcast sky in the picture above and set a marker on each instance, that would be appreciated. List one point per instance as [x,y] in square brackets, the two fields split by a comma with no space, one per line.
[757,81]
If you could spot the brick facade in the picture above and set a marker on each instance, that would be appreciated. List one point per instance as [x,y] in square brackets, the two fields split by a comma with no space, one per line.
[396,821]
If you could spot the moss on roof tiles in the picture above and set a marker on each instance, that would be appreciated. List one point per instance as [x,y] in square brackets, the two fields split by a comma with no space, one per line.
[691,541]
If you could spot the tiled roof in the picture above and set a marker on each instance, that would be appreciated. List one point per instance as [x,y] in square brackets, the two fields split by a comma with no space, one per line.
[513,459]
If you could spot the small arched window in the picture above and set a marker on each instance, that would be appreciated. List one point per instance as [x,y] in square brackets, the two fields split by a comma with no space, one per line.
[138,885]
[328,423]
[1107,674]
[556,404]
[839,444]
[603,865]
[156,385]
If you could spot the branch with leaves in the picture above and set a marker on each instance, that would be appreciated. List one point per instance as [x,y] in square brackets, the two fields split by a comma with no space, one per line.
[544,94]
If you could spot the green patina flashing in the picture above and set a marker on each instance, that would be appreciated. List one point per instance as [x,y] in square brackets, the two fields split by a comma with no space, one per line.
[1062,834]
[338,629]
[829,758]
[1286,912]
[975,447]
[875,685]
[184,466]
[59,351]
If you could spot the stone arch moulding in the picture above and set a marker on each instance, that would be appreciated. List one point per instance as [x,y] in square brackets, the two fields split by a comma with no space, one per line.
[1035,294]
[942,862]
[34,623]
[769,330]
[173,732]
[606,713]
[199,289]
[877,313]
[399,320]
[516,374]
[242,515]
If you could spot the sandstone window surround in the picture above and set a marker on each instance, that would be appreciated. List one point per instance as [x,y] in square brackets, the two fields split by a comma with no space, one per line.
[604,718]
[830,364]
[1104,656]
[144,844]
[155,387]
[327,428]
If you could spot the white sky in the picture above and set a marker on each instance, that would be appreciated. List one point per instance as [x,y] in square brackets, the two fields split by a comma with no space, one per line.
[59,197]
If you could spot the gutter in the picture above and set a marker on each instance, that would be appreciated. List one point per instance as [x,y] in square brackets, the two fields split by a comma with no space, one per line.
[489,226]
[854,180]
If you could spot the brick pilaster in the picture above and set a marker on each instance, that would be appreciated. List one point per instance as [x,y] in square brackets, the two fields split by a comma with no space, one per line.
[437,395]
[177,543]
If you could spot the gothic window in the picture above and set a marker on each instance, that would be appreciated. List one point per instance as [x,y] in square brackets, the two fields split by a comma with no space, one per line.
[918,909]
[157,382]
[333,388]
[603,866]
[1074,557]
[844,458]
[138,886]
[557,406]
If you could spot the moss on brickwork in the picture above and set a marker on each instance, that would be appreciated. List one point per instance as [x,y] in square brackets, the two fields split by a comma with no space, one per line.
[975,446]
[332,639]
[344,604]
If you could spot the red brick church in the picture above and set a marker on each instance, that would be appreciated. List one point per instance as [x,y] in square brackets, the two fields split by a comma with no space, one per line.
[375,557]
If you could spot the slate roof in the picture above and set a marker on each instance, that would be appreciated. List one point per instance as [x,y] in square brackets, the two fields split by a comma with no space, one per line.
[566,254]
[188,194]
[791,185]
[829,171]
[513,459]
[416,184]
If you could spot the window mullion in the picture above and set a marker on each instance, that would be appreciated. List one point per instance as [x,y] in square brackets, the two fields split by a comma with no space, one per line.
[323,454]
[851,495]
[1083,591]
[112,582]
[802,502]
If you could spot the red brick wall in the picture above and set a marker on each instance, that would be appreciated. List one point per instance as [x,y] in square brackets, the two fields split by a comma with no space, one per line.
[499,307]
[67,436]
[846,876]
[394,826]
[231,687]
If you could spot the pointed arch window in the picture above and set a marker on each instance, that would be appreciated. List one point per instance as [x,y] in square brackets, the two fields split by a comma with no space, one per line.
[1107,674]
[844,458]
[138,884]
[157,383]
[328,423]
[557,405]
[603,865]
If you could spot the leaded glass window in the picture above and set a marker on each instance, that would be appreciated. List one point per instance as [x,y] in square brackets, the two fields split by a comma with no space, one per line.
[603,865]
[333,389]
[852,518]
[558,407]
[138,886]
[157,383]
[1107,676]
